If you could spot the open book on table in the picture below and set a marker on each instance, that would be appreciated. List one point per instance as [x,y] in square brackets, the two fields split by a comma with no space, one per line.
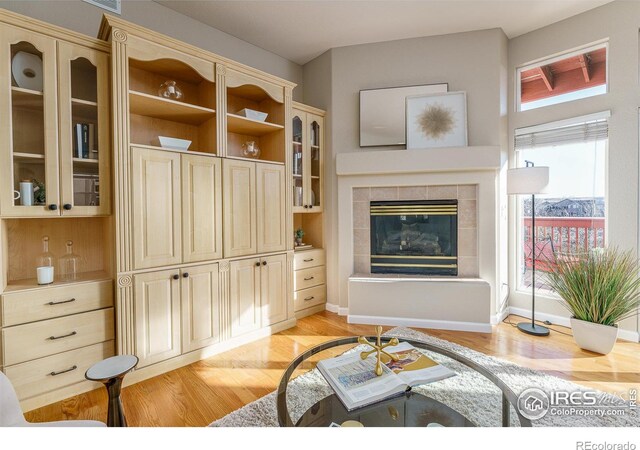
[356,384]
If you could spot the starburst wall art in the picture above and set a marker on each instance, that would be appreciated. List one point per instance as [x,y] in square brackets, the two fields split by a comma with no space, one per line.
[436,120]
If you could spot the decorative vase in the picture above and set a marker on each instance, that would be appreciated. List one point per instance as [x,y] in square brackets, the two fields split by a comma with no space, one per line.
[250,150]
[170,89]
[298,241]
[594,337]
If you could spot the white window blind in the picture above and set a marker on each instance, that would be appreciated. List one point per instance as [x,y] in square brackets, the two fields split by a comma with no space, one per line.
[570,134]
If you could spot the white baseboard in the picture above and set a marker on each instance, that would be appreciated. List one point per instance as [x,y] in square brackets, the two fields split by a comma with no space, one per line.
[496,319]
[421,323]
[626,335]
[332,307]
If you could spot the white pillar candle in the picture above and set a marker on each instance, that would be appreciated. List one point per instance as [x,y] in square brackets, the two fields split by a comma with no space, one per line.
[45,274]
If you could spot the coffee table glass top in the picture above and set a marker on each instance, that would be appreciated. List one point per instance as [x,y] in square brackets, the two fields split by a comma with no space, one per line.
[411,409]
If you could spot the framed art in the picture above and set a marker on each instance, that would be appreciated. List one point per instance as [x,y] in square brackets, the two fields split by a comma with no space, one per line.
[436,120]
[382,113]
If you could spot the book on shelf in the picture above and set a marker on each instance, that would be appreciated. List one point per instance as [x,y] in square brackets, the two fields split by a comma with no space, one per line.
[356,384]
[303,247]
[84,136]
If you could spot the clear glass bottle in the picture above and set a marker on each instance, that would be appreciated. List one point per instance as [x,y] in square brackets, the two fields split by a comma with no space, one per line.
[70,264]
[46,258]
[170,89]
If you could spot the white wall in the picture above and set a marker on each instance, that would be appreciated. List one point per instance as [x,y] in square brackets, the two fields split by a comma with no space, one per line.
[85,18]
[473,62]
[619,22]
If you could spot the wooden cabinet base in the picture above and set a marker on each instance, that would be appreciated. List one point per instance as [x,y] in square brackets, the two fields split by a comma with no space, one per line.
[310,311]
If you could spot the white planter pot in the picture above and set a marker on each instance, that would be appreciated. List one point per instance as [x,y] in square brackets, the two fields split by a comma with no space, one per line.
[594,336]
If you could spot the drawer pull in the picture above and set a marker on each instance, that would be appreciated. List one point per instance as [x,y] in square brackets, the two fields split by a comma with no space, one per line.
[308,260]
[53,338]
[53,374]
[309,298]
[61,302]
[309,278]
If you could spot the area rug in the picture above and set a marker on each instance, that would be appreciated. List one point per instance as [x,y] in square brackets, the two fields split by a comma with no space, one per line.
[469,393]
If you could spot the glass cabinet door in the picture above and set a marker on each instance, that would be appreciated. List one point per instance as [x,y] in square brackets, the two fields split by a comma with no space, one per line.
[316,163]
[299,184]
[84,130]
[28,136]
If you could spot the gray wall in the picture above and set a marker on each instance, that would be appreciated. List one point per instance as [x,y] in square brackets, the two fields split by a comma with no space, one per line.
[473,62]
[85,18]
[619,22]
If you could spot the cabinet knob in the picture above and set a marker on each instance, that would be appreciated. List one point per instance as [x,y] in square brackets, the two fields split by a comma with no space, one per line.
[53,207]
[264,263]
[258,264]
[185,275]
[176,277]
[67,206]
[306,206]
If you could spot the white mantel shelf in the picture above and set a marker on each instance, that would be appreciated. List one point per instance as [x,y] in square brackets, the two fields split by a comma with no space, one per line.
[450,159]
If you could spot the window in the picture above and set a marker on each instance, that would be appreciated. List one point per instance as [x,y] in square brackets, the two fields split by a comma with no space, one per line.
[570,218]
[570,76]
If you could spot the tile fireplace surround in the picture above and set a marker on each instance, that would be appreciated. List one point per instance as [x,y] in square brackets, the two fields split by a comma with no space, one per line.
[472,175]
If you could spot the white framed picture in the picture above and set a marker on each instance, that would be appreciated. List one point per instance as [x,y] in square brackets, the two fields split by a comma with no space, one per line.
[437,120]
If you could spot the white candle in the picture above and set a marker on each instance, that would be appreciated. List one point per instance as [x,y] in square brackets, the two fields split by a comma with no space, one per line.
[45,274]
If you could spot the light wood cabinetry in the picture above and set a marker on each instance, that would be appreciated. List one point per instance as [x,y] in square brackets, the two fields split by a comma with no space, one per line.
[200,307]
[254,208]
[309,280]
[39,138]
[308,159]
[258,293]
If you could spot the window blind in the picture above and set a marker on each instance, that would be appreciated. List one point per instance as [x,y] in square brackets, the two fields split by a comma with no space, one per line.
[571,134]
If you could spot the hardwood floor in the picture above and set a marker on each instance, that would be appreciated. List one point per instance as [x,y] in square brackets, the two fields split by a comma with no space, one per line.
[202,392]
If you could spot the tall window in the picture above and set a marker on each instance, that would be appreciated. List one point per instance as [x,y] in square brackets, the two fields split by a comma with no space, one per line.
[570,218]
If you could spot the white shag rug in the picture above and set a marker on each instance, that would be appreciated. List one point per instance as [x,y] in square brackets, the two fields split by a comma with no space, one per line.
[469,393]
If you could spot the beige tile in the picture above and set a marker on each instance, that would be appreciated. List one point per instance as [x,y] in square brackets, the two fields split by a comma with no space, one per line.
[412,193]
[442,192]
[361,264]
[361,217]
[467,213]
[467,192]
[361,242]
[467,242]
[384,193]
[361,194]
[468,266]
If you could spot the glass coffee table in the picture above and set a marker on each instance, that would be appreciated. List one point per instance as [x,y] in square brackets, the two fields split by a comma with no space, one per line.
[412,409]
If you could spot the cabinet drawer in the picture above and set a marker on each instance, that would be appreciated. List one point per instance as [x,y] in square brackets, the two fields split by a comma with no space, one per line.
[308,258]
[307,298]
[35,340]
[307,278]
[36,377]
[47,303]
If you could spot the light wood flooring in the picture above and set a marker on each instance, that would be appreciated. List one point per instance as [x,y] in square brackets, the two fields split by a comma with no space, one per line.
[202,392]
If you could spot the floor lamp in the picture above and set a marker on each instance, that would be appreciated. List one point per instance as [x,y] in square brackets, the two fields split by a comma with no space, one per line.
[530,180]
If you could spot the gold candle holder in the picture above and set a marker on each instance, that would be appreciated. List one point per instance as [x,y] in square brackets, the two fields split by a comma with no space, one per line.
[378,348]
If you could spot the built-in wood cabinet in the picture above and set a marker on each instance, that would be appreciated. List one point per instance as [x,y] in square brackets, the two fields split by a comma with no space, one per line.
[54,87]
[273,289]
[157,316]
[308,159]
[200,307]
[254,208]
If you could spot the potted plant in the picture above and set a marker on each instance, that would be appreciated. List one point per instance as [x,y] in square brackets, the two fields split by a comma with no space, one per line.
[299,234]
[600,288]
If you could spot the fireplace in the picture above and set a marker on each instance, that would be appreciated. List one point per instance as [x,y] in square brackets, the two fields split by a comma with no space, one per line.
[414,237]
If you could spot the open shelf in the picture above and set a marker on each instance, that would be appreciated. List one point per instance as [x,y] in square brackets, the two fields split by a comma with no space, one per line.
[27,98]
[166,109]
[22,156]
[242,125]
[244,158]
[32,283]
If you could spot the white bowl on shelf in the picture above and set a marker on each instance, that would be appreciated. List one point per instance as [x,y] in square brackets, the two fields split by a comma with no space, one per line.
[253,114]
[174,143]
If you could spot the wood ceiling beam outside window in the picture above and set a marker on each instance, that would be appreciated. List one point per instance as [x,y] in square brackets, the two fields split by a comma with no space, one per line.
[586,68]
[547,76]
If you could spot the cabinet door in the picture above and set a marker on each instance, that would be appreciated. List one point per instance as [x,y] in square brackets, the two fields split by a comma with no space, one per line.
[157,316]
[239,216]
[157,236]
[29,179]
[201,208]
[244,294]
[271,210]
[83,80]
[299,160]
[200,307]
[273,289]
[315,163]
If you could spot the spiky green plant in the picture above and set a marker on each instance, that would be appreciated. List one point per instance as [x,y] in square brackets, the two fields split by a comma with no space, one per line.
[601,286]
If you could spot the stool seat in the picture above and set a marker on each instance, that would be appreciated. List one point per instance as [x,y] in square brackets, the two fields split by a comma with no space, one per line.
[110,372]
[111,367]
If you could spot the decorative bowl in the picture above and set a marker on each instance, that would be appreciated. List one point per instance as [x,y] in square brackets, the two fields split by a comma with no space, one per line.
[174,143]
[253,114]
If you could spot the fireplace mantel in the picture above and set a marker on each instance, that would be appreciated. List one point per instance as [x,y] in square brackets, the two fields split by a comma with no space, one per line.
[450,159]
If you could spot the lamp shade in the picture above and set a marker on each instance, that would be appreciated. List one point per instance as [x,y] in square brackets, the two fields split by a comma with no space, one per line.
[527,180]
